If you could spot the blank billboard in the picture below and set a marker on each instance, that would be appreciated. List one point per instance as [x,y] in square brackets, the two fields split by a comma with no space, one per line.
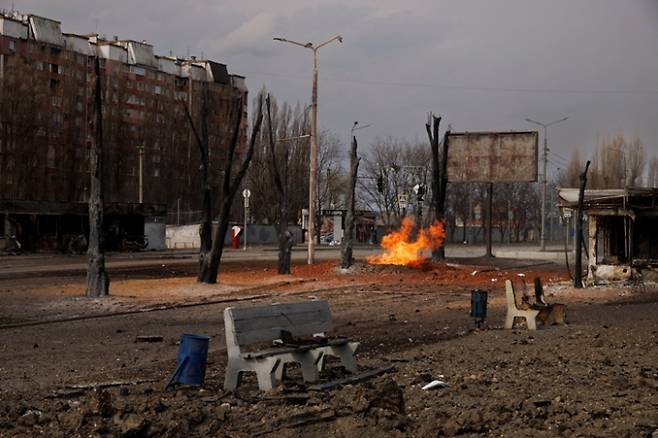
[492,156]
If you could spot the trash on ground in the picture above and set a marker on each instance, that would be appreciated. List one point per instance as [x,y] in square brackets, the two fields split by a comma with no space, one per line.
[435,384]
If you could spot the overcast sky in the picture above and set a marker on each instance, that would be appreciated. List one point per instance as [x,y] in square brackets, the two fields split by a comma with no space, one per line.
[483,65]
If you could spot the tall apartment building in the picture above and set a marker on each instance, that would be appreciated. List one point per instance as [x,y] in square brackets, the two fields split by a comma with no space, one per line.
[47,120]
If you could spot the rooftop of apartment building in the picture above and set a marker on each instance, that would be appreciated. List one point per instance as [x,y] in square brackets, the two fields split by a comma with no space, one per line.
[17,25]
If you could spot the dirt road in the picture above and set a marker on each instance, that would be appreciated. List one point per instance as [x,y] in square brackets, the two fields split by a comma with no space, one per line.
[595,377]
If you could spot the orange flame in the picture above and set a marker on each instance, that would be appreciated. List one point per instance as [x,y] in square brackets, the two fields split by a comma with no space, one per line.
[398,250]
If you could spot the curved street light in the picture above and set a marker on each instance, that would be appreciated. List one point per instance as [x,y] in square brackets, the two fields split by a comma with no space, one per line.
[542,234]
[313,174]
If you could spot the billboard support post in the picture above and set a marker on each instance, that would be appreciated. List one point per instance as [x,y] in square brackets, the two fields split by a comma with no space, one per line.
[492,157]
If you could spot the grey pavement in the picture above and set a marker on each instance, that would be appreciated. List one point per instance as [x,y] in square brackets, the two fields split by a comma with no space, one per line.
[11,265]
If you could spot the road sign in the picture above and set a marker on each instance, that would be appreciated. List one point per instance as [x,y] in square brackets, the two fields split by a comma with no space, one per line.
[403,200]
[246,193]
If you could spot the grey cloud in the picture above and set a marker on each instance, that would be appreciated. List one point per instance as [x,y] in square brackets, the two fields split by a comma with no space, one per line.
[483,64]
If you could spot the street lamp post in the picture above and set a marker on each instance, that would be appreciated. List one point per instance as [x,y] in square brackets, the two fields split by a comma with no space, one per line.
[312,179]
[141,172]
[542,235]
[355,127]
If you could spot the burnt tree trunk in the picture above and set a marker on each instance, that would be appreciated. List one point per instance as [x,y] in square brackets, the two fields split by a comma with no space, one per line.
[439,176]
[348,237]
[205,228]
[578,275]
[209,261]
[98,282]
[280,178]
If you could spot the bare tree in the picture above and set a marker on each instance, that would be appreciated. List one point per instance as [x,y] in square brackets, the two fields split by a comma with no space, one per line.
[346,244]
[279,172]
[396,166]
[617,163]
[458,204]
[290,125]
[98,282]
[652,173]
[209,269]
[635,162]
[571,175]
[439,175]
[202,140]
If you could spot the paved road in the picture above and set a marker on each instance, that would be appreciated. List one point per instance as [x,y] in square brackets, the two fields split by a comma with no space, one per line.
[43,264]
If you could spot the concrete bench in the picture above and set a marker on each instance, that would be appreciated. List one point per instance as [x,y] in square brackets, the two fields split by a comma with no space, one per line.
[513,310]
[282,324]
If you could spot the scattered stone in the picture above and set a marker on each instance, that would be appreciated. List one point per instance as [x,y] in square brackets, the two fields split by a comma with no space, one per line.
[222,411]
[149,339]
[132,425]
[104,403]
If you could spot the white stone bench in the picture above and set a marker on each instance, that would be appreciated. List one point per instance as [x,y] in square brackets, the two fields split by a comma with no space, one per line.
[283,323]
[513,311]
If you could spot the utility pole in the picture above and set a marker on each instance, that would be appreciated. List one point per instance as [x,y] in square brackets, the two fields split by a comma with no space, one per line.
[542,235]
[246,193]
[141,172]
[313,171]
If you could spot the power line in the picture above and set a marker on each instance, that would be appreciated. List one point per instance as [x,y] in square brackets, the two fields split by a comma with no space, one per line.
[559,156]
[557,165]
[460,87]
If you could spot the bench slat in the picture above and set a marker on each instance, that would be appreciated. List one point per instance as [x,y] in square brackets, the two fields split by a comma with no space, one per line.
[240,313]
[283,320]
[265,323]
[294,348]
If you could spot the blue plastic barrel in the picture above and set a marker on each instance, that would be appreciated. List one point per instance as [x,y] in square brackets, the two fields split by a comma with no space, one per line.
[479,304]
[192,359]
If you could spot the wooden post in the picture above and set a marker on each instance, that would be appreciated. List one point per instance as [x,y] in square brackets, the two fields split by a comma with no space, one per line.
[348,237]
[98,283]
[577,278]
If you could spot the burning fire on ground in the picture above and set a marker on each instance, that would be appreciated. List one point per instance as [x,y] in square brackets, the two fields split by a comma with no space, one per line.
[400,250]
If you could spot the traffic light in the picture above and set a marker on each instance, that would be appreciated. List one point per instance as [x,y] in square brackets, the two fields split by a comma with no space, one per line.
[380,184]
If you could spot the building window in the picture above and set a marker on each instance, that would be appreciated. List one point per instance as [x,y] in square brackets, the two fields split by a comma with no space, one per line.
[156,172]
[135,100]
[57,100]
[157,89]
[50,157]
[38,65]
[12,46]
[137,70]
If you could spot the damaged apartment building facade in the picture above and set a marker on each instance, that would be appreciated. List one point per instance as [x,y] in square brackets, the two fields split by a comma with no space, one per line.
[621,236]
[151,159]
